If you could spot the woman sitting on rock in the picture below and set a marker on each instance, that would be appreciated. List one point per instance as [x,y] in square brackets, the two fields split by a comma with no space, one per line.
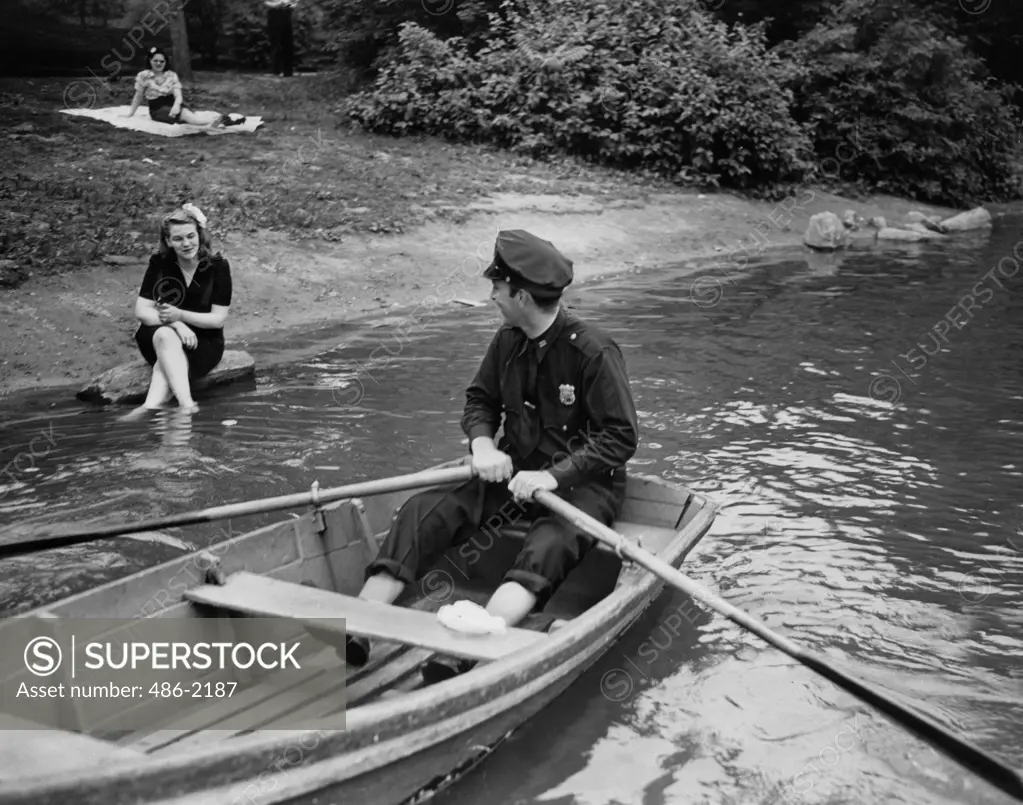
[181,307]
[161,88]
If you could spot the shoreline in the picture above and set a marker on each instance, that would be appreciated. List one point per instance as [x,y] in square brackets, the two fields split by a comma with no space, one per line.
[294,288]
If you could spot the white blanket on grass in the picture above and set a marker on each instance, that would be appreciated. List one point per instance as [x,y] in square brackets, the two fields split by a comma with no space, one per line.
[140,121]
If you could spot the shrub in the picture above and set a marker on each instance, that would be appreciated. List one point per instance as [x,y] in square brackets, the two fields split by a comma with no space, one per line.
[634,84]
[364,33]
[911,109]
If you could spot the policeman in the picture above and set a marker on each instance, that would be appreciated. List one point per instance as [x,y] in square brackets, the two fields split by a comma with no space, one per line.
[569,426]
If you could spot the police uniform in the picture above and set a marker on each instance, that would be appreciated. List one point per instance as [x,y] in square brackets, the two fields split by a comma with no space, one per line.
[567,409]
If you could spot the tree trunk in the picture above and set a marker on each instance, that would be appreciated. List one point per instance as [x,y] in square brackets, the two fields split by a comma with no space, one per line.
[182,59]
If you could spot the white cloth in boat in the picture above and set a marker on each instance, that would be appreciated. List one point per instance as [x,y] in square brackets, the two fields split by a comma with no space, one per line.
[470,618]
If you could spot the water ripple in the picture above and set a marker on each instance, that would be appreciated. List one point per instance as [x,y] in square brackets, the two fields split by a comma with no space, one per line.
[882,531]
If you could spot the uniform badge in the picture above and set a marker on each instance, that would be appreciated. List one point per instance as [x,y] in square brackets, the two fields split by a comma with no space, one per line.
[566,394]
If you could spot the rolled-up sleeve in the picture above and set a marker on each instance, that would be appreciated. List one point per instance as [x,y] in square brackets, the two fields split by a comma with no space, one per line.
[483,406]
[612,432]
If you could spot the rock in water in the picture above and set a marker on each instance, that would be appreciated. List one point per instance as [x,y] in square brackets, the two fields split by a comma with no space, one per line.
[129,382]
[935,226]
[825,231]
[977,218]
[924,230]
[891,233]
[929,222]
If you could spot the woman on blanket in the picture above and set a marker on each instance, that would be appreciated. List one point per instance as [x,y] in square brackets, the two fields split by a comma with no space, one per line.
[181,307]
[161,88]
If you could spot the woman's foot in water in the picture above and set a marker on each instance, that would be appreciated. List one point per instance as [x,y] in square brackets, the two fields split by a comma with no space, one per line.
[141,411]
[133,414]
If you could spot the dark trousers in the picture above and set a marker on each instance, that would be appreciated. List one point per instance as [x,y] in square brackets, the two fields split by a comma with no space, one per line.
[430,522]
[281,40]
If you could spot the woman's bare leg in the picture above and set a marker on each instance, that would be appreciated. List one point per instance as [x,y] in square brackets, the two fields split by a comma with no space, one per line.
[170,353]
[159,392]
[159,388]
[190,117]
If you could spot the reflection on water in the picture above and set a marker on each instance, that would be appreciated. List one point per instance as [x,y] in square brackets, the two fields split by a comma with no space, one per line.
[876,521]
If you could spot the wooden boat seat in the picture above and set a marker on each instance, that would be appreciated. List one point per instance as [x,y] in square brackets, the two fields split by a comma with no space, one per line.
[260,596]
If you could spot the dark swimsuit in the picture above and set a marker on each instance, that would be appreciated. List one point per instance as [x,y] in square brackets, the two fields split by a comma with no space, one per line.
[211,285]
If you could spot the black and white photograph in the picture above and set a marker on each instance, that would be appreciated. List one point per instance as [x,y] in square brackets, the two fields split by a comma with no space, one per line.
[511,402]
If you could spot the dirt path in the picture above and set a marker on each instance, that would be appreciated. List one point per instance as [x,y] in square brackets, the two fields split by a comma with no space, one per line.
[64,329]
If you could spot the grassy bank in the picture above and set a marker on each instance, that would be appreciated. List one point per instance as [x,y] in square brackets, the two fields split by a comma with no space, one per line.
[76,190]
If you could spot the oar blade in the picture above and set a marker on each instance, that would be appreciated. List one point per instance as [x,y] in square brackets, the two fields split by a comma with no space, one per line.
[993,770]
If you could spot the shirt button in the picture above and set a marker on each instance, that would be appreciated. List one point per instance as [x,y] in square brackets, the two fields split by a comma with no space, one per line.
[572,337]
[564,427]
[543,343]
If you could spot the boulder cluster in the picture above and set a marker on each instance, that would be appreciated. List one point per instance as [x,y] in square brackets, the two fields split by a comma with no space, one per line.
[827,231]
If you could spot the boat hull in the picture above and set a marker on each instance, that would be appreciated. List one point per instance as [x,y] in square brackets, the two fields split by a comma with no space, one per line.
[390,748]
[397,783]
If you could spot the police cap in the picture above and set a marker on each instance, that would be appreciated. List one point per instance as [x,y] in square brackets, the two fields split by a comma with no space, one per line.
[531,263]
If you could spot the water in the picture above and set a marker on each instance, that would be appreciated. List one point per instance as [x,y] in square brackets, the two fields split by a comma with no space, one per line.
[869,477]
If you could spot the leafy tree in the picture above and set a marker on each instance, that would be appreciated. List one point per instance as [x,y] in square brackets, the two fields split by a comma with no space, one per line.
[238,29]
[364,33]
[992,29]
[915,111]
[206,25]
[783,19]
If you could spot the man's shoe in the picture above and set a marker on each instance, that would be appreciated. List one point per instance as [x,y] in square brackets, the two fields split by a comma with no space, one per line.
[356,651]
[442,668]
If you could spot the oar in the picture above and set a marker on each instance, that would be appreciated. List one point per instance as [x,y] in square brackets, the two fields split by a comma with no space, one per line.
[990,768]
[316,497]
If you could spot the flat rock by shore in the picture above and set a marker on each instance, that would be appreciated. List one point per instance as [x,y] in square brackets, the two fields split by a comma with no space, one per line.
[128,382]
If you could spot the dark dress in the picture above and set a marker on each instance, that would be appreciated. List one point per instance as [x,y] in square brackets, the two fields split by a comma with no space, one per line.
[211,285]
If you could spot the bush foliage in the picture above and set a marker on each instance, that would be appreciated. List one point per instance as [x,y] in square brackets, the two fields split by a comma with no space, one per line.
[633,84]
[364,33]
[670,90]
[911,110]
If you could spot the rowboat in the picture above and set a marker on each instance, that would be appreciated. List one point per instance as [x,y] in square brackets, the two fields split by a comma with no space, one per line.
[375,734]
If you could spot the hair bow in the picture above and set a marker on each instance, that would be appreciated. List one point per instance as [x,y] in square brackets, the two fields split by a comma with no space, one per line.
[195,212]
